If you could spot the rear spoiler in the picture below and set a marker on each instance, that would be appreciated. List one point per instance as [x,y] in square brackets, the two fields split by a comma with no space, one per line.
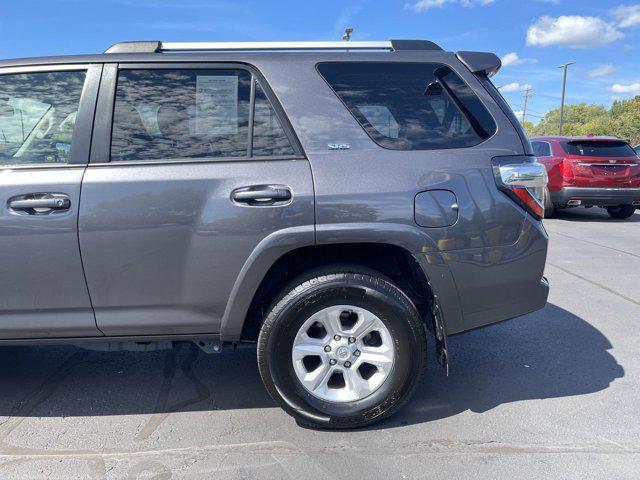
[480,62]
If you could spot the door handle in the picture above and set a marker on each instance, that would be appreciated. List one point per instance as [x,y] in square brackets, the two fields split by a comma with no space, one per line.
[29,203]
[261,195]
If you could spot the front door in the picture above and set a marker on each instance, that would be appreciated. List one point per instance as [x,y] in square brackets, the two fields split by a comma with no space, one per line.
[46,115]
[191,168]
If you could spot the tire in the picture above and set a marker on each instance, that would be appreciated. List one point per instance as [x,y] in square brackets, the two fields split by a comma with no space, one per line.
[621,211]
[549,209]
[327,292]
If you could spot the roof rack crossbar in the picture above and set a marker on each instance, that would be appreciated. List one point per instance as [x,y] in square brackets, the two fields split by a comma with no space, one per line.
[158,47]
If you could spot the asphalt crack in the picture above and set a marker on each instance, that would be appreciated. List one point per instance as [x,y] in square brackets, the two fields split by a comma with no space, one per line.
[594,283]
[596,244]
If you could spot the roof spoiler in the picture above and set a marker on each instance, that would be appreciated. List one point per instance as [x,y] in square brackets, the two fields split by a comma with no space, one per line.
[480,62]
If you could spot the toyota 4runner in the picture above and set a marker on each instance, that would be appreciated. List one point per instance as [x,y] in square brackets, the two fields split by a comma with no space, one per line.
[332,202]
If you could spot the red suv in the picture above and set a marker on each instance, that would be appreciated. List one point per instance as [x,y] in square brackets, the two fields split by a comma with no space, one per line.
[590,171]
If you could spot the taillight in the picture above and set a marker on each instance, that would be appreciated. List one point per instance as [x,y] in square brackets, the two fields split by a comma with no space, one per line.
[566,170]
[524,180]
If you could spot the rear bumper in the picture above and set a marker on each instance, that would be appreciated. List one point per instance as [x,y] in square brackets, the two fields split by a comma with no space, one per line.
[490,284]
[605,197]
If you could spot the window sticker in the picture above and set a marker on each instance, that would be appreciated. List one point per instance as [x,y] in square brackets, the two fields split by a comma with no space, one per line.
[216,105]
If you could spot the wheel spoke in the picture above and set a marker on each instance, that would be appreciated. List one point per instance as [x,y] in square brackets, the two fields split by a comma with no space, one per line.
[366,321]
[314,341]
[377,359]
[305,349]
[331,322]
[322,378]
[359,386]
[380,357]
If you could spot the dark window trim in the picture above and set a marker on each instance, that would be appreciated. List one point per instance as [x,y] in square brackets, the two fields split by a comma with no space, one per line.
[507,111]
[441,64]
[83,127]
[252,110]
[101,154]
[174,161]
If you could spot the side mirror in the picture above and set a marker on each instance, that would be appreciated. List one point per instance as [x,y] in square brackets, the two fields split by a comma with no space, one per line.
[6,110]
[434,88]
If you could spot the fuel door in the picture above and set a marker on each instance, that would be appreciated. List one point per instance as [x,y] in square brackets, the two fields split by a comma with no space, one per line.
[436,208]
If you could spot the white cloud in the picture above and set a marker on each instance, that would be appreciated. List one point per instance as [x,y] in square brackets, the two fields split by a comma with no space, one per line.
[602,70]
[426,4]
[421,5]
[572,31]
[631,89]
[514,87]
[626,16]
[511,59]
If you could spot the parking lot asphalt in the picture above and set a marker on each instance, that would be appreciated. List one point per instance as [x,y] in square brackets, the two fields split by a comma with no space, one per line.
[554,394]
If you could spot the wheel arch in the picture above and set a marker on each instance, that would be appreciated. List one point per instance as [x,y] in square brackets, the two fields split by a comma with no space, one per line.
[388,249]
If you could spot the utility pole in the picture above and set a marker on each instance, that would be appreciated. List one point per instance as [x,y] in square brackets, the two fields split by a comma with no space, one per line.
[527,91]
[564,88]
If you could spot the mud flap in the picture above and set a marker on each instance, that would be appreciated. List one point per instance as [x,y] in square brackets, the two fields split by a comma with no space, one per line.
[440,335]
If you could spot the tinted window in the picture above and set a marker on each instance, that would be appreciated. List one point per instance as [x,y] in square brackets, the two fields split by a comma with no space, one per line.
[37,116]
[269,138]
[594,148]
[171,114]
[541,149]
[410,106]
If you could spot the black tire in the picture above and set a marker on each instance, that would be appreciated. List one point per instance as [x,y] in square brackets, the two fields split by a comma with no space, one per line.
[549,209]
[310,295]
[621,211]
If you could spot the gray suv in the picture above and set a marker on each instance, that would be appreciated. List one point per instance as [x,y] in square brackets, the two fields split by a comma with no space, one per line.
[332,203]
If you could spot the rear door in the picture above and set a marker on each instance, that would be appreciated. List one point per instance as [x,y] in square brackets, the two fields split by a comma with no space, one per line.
[46,116]
[192,166]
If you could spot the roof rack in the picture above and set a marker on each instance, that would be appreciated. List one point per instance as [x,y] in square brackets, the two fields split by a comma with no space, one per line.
[159,47]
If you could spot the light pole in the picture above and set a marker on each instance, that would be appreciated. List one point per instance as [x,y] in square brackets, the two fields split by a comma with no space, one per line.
[527,92]
[564,88]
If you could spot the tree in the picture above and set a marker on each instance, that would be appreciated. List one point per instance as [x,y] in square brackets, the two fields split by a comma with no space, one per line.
[529,127]
[575,118]
[621,120]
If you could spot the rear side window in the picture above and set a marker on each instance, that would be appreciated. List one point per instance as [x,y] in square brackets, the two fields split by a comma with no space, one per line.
[410,106]
[541,149]
[191,113]
[594,148]
[37,116]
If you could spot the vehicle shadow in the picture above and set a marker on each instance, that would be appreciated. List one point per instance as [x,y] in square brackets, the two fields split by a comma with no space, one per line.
[594,214]
[547,354]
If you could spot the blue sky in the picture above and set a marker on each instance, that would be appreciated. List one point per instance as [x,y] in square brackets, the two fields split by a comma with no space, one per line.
[602,37]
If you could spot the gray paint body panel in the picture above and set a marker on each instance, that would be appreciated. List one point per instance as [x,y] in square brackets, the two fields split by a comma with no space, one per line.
[163,244]
[166,252]
[43,292]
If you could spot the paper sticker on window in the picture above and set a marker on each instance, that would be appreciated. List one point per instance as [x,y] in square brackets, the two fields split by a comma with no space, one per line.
[216,104]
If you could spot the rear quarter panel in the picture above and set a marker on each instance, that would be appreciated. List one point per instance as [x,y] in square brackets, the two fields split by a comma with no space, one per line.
[366,193]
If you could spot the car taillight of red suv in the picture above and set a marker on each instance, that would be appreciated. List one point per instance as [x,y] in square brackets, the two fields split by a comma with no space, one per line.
[590,172]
